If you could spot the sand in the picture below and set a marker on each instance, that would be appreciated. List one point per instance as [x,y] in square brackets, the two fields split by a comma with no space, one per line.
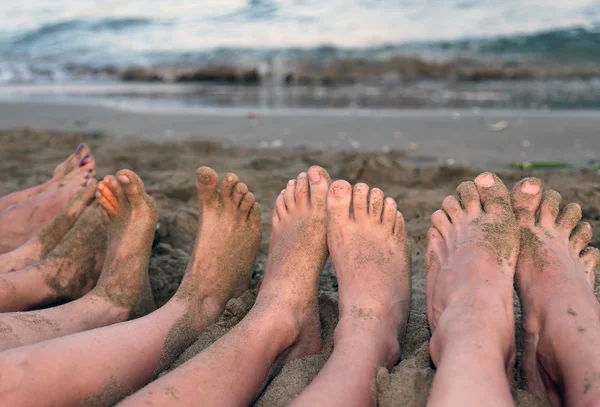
[168,169]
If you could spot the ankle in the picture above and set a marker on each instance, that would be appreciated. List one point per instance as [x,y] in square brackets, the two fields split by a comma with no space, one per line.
[377,338]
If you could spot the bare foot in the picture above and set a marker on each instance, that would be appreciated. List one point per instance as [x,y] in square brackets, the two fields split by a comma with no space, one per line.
[81,158]
[470,263]
[297,254]
[371,255]
[48,237]
[227,243]
[132,222]
[555,280]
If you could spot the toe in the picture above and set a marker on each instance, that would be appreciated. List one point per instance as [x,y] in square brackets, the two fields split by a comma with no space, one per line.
[289,195]
[319,184]
[116,189]
[580,237]
[549,208]
[132,185]
[280,207]
[247,203]
[440,221]
[359,201]
[452,207]
[82,150]
[254,215]
[229,184]
[399,226]
[569,217]
[301,192]
[206,184]
[390,210]
[88,193]
[338,202]
[376,204]
[239,191]
[494,195]
[526,197]
[591,259]
[86,160]
[106,199]
[469,197]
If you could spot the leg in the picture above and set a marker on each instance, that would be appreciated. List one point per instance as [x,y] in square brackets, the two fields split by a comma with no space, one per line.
[470,263]
[372,263]
[555,280]
[71,163]
[48,237]
[283,322]
[22,220]
[129,354]
[123,289]
[69,271]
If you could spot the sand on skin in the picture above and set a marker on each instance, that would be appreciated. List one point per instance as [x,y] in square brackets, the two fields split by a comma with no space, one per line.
[168,171]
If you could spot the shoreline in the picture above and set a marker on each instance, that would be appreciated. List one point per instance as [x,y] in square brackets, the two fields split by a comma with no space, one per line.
[483,139]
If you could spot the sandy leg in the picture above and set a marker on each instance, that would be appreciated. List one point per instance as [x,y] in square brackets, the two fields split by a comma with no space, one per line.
[48,237]
[105,364]
[555,280]
[22,220]
[123,289]
[68,272]
[371,256]
[470,261]
[283,322]
[72,162]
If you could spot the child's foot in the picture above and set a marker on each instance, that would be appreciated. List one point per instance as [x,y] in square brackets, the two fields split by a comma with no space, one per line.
[297,254]
[132,222]
[370,252]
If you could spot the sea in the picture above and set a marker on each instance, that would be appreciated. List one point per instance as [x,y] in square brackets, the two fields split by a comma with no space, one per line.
[78,48]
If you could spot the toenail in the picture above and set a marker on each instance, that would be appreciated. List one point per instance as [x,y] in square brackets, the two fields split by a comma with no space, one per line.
[314,176]
[124,179]
[486,180]
[291,182]
[340,191]
[530,188]
[230,178]
[84,160]
[282,191]
[377,192]
[79,148]
[302,175]
[389,201]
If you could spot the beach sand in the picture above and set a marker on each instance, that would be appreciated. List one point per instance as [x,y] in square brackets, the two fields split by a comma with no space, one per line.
[28,157]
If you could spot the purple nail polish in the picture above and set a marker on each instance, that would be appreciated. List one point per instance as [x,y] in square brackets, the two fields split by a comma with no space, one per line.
[79,148]
[84,160]
[90,170]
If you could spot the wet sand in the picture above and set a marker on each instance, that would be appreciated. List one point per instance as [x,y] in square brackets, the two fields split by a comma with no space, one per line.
[464,137]
[28,157]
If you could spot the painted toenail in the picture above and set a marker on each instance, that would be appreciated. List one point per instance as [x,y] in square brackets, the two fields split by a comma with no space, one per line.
[79,148]
[84,160]
[340,191]
[314,176]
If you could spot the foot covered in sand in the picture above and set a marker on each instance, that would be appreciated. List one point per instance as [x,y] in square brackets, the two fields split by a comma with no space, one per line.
[371,255]
[297,254]
[226,246]
[48,237]
[132,222]
[470,263]
[81,159]
[555,280]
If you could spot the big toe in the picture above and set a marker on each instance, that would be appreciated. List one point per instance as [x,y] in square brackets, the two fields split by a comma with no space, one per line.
[206,184]
[494,195]
[338,202]
[132,185]
[319,181]
[526,197]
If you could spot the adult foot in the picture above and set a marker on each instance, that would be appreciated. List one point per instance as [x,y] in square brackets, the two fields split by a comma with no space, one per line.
[227,243]
[555,281]
[48,237]
[297,254]
[371,255]
[132,222]
[81,158]
[470,263]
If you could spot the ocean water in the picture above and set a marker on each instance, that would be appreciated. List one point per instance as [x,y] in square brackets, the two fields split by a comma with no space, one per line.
[45,41]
